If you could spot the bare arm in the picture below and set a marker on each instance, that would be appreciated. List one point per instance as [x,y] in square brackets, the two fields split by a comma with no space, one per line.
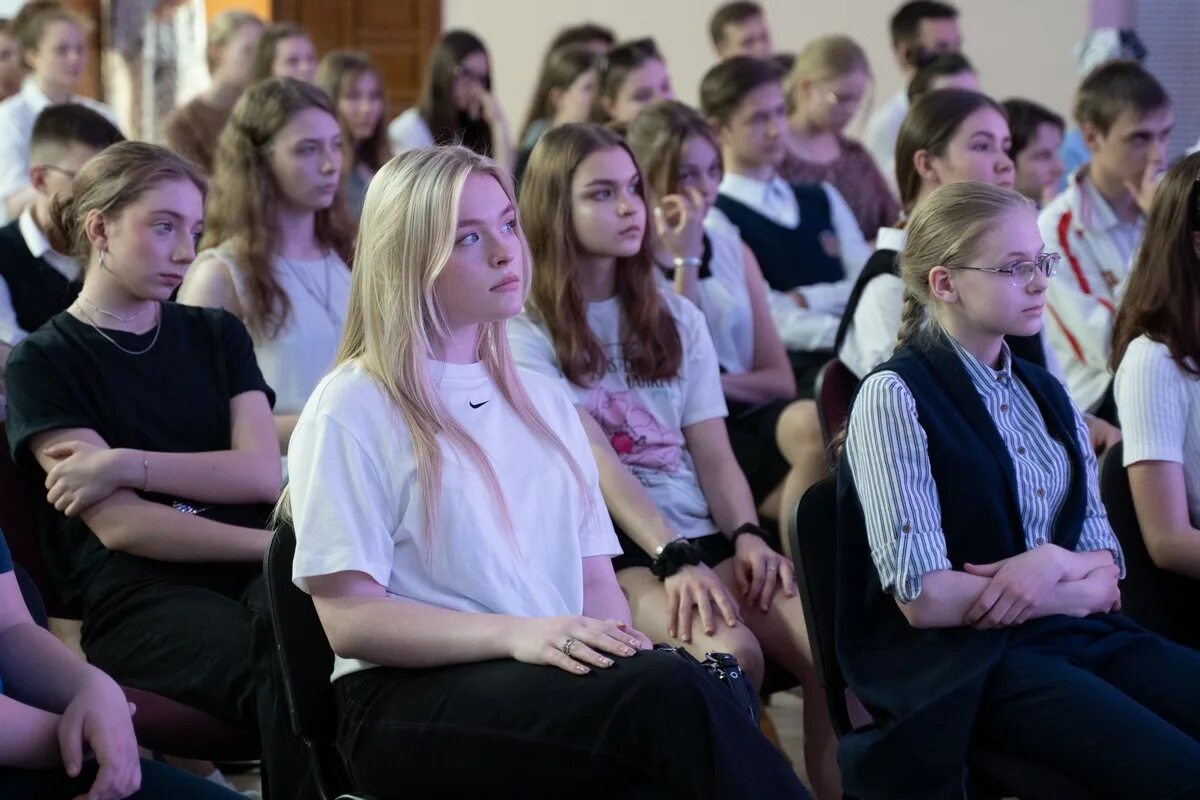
[362,622]
[722,480]
[1160,498]
[602,596]
[771,377]
[81,463]
[627,500]
[124,521]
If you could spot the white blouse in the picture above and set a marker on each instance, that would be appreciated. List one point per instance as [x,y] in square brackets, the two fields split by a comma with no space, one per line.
[1159,406]
[409,131]
[724,299]
[300,354]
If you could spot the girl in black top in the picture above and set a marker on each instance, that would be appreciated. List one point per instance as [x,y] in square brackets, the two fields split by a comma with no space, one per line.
[151,426]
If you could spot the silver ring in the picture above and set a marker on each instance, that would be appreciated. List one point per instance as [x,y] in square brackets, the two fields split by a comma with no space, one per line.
[568,645]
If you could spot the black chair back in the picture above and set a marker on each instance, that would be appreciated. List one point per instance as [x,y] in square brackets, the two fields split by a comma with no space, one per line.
[32,597]
[306,662]
[813,541]
[1150,595]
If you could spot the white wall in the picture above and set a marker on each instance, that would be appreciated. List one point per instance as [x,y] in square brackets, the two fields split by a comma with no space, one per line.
[1019,46]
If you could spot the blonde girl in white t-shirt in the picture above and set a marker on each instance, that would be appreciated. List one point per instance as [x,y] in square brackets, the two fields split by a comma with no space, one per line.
[642,370]
[1156,356]
[451,531]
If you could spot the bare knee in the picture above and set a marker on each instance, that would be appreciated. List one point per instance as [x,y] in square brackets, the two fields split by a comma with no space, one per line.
[742,645]
[798,431]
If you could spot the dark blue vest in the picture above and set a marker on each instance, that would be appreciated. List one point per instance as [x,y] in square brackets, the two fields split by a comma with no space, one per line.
[38,290]
[923,686]
[791,257]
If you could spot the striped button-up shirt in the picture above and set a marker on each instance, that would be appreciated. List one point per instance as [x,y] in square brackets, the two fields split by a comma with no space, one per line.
[888,452]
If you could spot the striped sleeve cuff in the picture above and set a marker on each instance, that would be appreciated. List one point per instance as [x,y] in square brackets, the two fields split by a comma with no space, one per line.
[915,553]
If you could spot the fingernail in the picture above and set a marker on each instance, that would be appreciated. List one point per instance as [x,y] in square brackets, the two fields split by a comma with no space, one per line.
[581,668]
[634,643]
[628,651]
[608,662]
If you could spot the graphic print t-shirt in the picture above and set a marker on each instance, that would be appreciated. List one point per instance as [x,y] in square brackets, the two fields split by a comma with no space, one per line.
[643,420]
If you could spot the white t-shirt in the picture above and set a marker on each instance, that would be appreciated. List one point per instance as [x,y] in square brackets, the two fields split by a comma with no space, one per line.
[409,131]
[356,499]
[1159,406]
[724,298]
[643,421]
[300,354]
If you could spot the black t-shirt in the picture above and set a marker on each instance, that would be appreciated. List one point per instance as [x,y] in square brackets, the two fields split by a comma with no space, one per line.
[173,399]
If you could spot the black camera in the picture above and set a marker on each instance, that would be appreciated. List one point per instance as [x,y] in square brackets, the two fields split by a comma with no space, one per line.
[724,668]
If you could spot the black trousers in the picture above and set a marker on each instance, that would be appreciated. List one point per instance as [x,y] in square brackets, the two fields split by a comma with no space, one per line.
[1117,711]
[159,782]
[207,643]
[650,726]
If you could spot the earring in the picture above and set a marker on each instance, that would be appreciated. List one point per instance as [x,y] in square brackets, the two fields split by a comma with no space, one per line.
[103,253]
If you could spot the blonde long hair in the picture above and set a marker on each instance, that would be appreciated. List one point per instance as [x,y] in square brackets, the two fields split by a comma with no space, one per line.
[946,231]
[394,318]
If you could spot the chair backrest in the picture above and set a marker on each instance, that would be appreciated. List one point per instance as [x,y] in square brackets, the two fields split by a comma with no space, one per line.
[20,502]
[833,389]
[304,653]
[813,536]
[1162,601]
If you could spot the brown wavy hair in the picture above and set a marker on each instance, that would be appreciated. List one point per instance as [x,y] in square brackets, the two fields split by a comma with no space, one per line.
[651,342]
[1162,299]
[337,70]
[242,206]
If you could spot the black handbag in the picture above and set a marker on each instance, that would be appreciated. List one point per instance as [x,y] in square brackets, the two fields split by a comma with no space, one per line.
[726,671]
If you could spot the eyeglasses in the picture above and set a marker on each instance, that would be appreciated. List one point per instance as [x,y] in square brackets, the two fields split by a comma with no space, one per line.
[1021,273]
[67,172]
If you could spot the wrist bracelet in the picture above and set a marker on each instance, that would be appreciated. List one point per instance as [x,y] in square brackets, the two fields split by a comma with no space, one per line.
[749,528]
[686,261]
[145,474]
[674,556]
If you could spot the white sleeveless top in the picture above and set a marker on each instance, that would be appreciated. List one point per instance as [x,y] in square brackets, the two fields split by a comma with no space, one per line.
[724,299]
[294,362]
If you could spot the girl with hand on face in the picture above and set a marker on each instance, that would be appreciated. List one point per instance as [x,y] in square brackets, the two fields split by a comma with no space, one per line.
[278,239]
[641,368]
[565,93]
[776,439]
[450,528]
[632,76]
[284,51]
[456,104]
[150,424]
[977,570]
[52,48]
[193,129]
[827,85]
[355,86]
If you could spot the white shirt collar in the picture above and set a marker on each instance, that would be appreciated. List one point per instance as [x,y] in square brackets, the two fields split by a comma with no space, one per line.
[771,198]
[39,247]
[891,239]
[34,97]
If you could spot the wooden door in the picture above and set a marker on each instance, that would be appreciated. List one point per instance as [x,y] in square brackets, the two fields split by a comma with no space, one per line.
[396,34]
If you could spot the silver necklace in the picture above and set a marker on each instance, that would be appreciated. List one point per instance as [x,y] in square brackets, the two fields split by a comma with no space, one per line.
[111,315]
[324,300]
[114,343]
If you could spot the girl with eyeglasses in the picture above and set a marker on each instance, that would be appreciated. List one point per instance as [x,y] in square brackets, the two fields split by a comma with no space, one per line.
[828,83]
[949,135]
[977,571]
[1156,356]
[632,76]
[456,104]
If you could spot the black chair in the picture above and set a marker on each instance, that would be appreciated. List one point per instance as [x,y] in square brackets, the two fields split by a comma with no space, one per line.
[306,662]
[1162,601]
[993,774]
[32,597]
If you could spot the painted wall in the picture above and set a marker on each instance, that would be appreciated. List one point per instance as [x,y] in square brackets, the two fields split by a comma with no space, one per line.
[1019,46]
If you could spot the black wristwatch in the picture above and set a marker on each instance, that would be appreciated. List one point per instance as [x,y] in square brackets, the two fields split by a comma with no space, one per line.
[674,556]
[749,528]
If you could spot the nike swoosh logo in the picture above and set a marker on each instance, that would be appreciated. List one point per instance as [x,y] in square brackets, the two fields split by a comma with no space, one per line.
[475,405]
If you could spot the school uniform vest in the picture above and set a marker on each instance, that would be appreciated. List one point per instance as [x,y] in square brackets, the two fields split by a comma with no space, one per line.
[923,686]
[791,257]
[887,262]
[38,290]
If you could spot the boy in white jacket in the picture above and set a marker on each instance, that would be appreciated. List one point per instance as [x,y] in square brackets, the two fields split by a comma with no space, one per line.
[1096,223]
